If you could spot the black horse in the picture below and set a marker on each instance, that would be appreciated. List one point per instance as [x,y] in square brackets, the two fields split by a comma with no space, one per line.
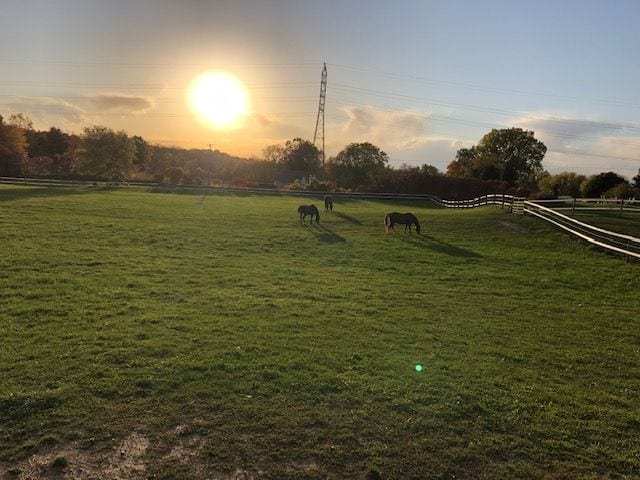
[328,203]
[312,210]
[406,219]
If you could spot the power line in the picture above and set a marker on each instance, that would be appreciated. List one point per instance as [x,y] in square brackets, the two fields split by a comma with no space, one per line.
[442,118]
[137,86]
[76,63]
[399,96]
[474,86]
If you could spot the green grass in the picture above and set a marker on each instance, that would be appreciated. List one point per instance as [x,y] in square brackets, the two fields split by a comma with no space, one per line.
[628,222]
[218,324]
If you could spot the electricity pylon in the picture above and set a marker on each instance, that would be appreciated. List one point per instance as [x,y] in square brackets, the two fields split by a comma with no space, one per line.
[323,94]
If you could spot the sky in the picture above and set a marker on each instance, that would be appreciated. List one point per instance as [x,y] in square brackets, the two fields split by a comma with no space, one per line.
[419,79]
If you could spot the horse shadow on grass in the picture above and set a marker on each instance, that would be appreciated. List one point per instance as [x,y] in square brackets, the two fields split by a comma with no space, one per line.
[325,234]
[348,218]
[438,246]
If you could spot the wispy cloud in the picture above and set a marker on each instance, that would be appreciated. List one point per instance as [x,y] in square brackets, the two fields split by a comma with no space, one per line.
[45,111]
[119,103]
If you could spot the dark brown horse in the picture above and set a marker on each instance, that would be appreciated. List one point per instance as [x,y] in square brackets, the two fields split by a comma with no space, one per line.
[406,219]
[328,203]
[312,210]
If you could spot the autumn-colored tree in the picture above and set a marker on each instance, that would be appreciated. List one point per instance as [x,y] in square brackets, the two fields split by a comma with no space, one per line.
[13,135]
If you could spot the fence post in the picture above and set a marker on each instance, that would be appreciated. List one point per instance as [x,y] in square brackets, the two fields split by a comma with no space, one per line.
[573,210]
[621,205]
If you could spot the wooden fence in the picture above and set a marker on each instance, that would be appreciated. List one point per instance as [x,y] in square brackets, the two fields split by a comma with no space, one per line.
[627,245]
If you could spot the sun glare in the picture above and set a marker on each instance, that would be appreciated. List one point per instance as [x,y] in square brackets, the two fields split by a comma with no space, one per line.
[218,98]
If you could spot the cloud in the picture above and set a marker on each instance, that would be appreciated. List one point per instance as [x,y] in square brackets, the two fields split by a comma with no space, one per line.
[120,103]
[586,146]
[45,111]
[567,132]
[389,130]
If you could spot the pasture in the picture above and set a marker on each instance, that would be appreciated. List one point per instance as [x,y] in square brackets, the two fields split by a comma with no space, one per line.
[163,335]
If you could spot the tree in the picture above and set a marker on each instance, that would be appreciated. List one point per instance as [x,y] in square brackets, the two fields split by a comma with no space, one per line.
[424,169]
[300,155]
[357,165]
[273,153]
[47,143]
[10,162]
[565,183]
[596,185]
[143,152]
[21,121]
[636,179]
[462,166]
[622,190]
[512,155]
[13,136]
[106,154]
[429,170]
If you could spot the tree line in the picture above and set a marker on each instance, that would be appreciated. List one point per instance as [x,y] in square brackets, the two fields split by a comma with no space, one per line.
[504,161]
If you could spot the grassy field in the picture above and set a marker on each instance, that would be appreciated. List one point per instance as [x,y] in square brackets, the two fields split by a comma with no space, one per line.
[156,335]
[628,222]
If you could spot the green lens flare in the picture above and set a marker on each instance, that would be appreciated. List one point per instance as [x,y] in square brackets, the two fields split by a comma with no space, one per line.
[418,367]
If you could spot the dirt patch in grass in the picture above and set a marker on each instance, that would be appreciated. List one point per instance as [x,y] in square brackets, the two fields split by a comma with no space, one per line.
[130,459]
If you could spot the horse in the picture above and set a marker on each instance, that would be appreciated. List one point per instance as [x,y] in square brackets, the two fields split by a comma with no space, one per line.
[406,219]
[312,210]
[328,203]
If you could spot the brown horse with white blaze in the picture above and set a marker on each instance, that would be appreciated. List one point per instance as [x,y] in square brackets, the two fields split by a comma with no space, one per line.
[406,219]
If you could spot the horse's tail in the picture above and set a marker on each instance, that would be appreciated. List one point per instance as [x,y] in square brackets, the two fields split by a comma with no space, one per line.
[387,221]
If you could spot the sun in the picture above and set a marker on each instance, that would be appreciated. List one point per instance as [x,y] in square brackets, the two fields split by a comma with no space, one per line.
[218,98]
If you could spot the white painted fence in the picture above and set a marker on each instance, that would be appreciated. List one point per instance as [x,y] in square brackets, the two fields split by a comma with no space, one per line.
[515,204]
[612,241]
[595,204]
[625,244]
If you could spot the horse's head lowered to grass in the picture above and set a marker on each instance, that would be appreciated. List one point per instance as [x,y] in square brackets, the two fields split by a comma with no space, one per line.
[406,219]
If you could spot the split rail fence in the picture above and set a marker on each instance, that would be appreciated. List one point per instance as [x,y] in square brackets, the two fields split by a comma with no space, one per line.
[627,245]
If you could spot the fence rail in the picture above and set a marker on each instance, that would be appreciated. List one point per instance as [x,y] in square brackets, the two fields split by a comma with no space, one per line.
[595,204]
[624,244]
[617,242]
[44,182]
